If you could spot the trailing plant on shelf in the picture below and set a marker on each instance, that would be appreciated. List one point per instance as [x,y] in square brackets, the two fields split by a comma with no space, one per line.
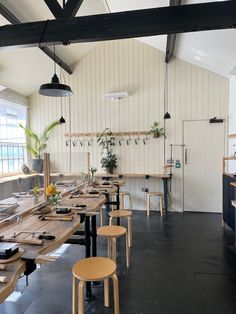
[106,140]
[156,131]
[38,143]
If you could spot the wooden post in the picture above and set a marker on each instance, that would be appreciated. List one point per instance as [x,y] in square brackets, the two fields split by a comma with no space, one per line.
[46,172]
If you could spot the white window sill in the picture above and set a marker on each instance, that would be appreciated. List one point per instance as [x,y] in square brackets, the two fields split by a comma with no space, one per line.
[13,176]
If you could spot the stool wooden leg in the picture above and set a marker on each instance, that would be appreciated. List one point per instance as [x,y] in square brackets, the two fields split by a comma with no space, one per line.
[114,249]
[148,205]
[109,248]
[101,217]
[74,295]
[81,297]
[129,231]
[127,249]
[122,203]
[129,202]
[110,221]
[116,294]
[161,205]
[106,292]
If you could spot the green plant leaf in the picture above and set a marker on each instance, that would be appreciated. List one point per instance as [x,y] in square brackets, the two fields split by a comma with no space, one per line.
[46,132]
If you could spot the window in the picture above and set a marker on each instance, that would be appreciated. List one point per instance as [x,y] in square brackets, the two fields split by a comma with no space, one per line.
[12,137]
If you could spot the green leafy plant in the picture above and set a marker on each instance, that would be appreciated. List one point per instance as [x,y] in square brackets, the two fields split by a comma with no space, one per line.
[93,170]
[109,161]
[38,142]
[156,131]
[106,140]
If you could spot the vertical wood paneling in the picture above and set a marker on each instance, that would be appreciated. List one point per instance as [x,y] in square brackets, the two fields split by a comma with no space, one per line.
[129,65]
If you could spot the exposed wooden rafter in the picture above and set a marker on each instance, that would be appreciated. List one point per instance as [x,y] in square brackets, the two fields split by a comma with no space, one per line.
[8,15]
[70,9]
[130,24]
[54,7]
[171,38]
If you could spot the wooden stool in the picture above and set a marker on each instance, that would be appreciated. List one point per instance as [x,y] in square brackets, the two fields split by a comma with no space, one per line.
[122,200]
[113,232]
[123,214]
[94,269]
[149,195]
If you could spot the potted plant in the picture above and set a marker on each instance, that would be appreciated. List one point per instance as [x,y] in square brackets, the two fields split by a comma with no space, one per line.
[106,140]
[53,194]
[156,131]
[109,161]
[38,144]
[93,170]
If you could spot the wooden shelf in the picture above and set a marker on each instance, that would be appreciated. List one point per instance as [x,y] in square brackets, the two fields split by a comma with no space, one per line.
[93,134]
[115,175]
[232,135]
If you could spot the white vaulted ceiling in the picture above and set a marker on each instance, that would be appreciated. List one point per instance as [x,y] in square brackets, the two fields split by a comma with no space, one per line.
[24,70]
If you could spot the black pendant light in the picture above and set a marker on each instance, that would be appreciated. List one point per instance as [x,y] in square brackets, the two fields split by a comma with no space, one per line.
[62,119]
[167,114]
[55,88]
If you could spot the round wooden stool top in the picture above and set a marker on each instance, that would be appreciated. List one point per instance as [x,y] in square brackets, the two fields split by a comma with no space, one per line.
[120,213]
[124,193]
[94,268]
[111,231]
[155,193]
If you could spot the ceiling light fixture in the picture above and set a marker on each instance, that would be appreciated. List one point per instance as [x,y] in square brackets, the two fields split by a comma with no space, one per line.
[166,83]
[55,88]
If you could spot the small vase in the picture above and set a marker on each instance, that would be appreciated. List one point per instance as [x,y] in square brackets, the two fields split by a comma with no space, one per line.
[54,199]
[36,199]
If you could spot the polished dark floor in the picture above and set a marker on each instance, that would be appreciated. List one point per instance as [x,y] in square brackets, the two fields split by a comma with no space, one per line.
[184,264]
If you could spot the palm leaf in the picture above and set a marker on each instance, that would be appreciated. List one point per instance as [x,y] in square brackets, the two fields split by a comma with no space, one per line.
[32,151]
[30,133]
[46,132]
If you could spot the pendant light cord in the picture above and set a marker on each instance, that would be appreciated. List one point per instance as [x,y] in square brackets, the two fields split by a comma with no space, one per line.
[54,57]
[165,103]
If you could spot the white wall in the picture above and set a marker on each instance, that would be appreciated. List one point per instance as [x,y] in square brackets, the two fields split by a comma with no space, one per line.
[129,65]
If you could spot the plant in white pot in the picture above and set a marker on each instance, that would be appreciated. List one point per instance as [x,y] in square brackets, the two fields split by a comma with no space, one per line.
[109,160]
[38,143]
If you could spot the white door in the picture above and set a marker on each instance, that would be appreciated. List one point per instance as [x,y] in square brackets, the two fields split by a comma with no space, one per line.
[203,153]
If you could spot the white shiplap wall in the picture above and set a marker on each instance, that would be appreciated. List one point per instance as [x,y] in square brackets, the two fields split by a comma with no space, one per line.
[129,65]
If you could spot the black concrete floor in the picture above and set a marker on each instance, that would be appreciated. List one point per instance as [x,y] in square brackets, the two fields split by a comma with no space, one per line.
[185,264]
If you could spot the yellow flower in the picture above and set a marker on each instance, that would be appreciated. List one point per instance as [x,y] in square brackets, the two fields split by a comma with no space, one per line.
[51,190]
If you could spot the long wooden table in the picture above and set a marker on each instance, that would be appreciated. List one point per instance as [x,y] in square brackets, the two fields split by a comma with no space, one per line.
[62,230]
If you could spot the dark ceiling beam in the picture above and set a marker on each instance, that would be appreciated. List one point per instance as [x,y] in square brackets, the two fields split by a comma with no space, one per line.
[171,38]
[71,8]
[8,15]
[130,24]
[54,7]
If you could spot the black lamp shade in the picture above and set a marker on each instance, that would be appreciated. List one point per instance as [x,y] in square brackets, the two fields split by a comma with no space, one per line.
[167,116]
[55,88]
[62,120]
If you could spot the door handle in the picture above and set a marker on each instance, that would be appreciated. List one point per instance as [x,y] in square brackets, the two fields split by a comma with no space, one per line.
[186,156]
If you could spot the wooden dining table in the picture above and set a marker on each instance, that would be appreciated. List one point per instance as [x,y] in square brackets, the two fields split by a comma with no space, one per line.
[25,219]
